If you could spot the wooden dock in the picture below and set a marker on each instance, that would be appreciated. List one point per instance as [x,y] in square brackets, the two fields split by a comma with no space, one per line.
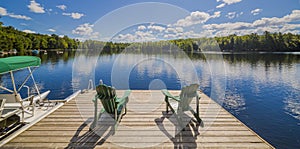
[146,125]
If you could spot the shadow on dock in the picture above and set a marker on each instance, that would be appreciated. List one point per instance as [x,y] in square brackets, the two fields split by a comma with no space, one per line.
[92,138]
[182,136]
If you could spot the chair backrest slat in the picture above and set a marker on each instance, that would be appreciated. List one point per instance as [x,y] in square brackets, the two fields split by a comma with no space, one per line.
[107,96]
[187,94]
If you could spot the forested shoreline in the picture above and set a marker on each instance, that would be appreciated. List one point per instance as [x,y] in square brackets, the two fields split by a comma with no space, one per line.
[11,38]
[268,42]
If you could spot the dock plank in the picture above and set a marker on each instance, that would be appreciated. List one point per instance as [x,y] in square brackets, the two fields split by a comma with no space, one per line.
[146,125]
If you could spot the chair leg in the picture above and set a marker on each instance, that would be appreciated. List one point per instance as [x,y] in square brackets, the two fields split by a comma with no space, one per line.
[167,104]
[95,115]
[196,115]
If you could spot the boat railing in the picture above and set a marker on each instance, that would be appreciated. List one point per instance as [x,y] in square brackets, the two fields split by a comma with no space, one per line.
[28,90]
[90,85]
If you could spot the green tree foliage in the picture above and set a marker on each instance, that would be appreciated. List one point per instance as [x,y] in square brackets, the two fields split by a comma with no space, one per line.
[269,42]
[11,38]
[273,42]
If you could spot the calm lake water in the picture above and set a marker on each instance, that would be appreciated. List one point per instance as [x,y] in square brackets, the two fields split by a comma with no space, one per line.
[261,90]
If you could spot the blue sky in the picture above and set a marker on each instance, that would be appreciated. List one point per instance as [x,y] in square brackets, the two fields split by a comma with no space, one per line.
[102,19]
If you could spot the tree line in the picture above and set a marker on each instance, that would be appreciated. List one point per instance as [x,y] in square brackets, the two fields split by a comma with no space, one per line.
[275,42]
[268,42]
[11,38]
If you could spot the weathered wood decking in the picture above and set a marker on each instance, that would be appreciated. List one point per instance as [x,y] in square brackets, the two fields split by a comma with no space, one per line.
[146,124]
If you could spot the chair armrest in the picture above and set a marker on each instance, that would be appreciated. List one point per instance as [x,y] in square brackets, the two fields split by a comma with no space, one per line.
[125,96]
[126,93]
[95,98]
[167,94]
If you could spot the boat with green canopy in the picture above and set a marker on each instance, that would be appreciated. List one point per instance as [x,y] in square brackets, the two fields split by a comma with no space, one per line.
[15,63]
[11,102]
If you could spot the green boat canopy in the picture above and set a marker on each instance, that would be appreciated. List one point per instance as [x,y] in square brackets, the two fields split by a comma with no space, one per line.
[18,62]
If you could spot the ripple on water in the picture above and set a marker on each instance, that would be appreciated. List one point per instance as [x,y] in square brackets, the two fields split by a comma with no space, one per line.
[292,106]
[233,101]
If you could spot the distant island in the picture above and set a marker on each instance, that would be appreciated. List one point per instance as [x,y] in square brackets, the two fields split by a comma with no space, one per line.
[11,38]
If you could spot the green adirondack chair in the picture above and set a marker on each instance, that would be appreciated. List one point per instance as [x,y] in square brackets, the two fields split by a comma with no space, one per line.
[112,105]
[183,100]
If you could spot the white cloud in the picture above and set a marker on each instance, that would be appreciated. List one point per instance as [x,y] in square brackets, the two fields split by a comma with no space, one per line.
[232,15]
[228,26]
[3,11]
[19,17]
[51,30]
[268,22]
[273,24]
[256,11]
[77,15]
[293,17]
[86,29]
[227,2]
[83,29]
[289,28]
[141,27]
[138,36]
[221,5]
[196,17]
[36,7]
[62,7]
[74,15]
[185,28]
[156,28]
[216,14]
[28,31]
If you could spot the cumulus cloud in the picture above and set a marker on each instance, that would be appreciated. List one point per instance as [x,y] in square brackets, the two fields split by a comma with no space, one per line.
[156,28]
[293,17]
[62,7]
[138,36]
[185,28]
[28,31]
[51,30]
[73,15]
[273,24]
[227,2]
[35,7]
[3,12]
[141,27]
[83,29]
[86,29]
[196,17]
[256,11]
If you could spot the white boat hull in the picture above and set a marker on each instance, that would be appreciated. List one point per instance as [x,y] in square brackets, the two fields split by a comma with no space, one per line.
[41,97]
